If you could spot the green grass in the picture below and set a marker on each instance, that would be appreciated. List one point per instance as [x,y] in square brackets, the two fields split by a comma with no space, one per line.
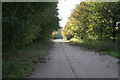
[20,63]
[104,47]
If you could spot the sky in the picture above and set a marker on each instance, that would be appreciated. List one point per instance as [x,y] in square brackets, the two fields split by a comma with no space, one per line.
[65,8]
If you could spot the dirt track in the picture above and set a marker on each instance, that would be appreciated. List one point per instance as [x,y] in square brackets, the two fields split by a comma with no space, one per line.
[67,61]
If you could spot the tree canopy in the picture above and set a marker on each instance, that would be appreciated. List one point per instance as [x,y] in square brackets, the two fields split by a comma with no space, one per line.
[94,21]
[25,22]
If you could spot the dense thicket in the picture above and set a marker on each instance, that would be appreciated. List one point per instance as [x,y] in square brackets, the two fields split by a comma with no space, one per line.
[94,21]
[25,22]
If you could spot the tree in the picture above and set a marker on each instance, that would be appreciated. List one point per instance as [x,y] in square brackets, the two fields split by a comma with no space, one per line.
[94,21]
[26,22]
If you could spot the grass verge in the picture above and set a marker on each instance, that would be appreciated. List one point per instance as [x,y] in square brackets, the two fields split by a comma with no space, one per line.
[103,47]
[20,63]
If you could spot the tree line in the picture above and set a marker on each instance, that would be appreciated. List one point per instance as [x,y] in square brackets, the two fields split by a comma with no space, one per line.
[94,21]
[26,22]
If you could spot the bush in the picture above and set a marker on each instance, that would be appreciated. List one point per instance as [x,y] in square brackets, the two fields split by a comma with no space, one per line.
[104,47]
[25,22]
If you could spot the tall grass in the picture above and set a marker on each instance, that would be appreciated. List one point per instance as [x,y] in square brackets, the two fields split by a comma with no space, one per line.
[104,47]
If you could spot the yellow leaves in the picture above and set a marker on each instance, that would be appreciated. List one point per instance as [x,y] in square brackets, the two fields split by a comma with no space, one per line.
[72,28]
[103,21]
[53,33]
[70,24]
[90,25]
[76,40]
[89,30]
[114,37]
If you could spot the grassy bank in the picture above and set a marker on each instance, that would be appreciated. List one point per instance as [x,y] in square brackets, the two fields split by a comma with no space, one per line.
[20,63]
[103,47]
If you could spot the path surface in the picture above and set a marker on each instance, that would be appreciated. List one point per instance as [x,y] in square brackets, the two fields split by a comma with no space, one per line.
[68,61]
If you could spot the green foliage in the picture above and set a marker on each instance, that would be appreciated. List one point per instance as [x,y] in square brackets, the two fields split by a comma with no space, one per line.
[14,69]
[95,25]
[103,47]
[94,21]
[20,64]
[26,22]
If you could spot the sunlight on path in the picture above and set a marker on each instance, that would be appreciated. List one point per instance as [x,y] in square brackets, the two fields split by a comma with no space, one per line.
[68,61]
[60,40]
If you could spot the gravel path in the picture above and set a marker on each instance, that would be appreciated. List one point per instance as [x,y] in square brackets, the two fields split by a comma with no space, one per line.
[67,61]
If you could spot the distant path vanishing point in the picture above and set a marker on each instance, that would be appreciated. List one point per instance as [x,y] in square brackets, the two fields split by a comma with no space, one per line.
[67,61]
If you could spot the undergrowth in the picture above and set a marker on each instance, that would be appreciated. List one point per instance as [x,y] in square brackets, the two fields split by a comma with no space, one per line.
[104,47]
[20,63]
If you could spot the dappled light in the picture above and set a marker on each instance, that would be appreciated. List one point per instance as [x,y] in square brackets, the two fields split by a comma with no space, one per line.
[66,39]
[95,25]
[60,40]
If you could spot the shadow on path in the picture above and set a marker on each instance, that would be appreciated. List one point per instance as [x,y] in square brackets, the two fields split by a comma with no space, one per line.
[73,62]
